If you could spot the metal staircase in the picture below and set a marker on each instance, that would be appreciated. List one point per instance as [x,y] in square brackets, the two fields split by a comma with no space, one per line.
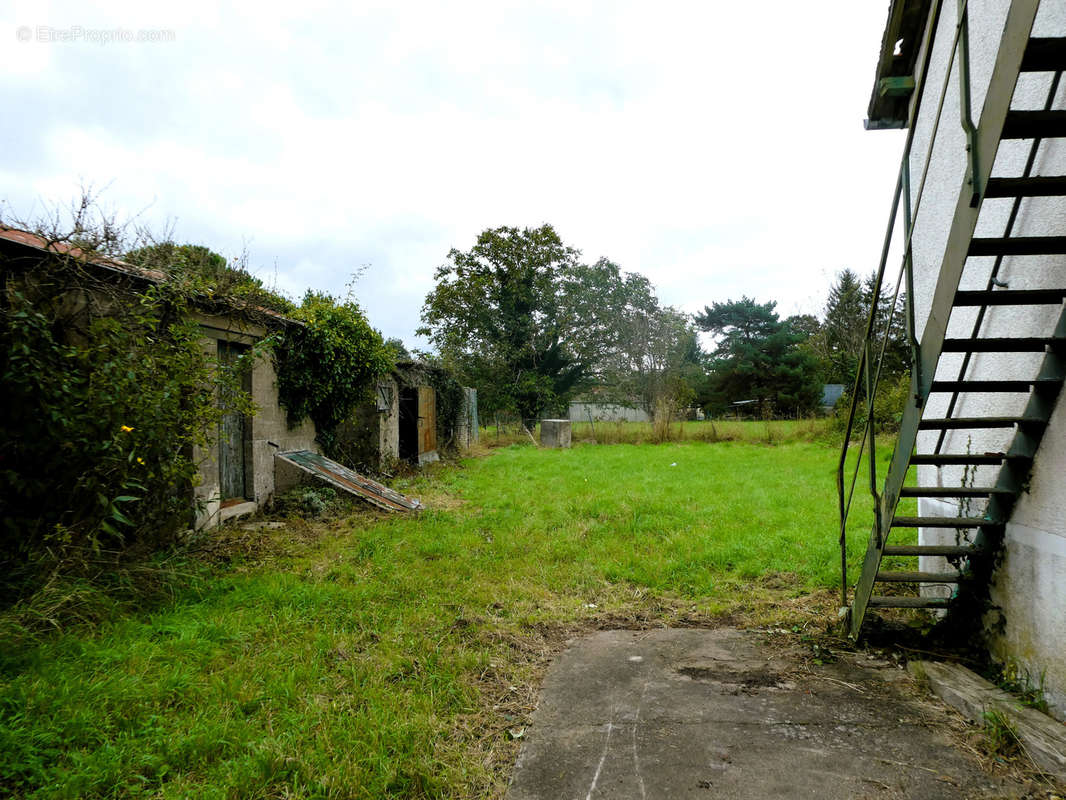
[971,557]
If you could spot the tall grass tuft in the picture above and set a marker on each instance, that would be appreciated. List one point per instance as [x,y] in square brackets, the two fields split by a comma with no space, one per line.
[771,432]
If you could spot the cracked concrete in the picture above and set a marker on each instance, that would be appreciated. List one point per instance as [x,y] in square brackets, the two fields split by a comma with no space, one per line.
[722,713]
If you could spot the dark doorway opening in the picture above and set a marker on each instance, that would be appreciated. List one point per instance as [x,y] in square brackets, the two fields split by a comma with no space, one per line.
[409,424]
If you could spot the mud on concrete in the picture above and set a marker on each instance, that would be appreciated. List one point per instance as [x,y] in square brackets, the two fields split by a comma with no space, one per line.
[691,713]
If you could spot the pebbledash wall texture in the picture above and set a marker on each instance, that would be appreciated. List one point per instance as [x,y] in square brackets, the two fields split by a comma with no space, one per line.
[1029,588]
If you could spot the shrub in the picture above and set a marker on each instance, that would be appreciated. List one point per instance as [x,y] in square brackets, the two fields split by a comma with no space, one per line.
[889,401]
[106,390]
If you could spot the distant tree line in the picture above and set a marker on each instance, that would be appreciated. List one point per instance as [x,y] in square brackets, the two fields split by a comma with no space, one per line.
[524,319]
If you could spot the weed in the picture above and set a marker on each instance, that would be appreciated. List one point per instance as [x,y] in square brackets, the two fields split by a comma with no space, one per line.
[778,431]
[307,501]
[1019,682]
[1001,737]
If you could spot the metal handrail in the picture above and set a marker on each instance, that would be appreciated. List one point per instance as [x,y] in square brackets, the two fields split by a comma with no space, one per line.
[864,368]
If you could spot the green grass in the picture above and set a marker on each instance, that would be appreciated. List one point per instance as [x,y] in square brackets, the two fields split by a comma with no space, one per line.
[400,657]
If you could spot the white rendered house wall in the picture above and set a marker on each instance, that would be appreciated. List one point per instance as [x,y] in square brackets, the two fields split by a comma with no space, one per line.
[1030,585]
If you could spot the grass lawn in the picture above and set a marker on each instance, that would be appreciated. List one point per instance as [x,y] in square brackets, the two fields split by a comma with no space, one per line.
[400,657]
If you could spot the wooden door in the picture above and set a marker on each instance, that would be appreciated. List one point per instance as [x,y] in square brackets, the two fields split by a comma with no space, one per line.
[427,420]
[232,433]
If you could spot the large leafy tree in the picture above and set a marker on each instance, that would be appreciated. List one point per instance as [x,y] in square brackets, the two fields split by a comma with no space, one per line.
[520,317]
[757,358]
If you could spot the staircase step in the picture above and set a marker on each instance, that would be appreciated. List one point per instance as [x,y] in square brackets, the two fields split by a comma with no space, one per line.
[918,577]
[959,459]
[942,522]
[956,423]
[991,386]
[952,491]
[908,602]
[1011,297]
[1033,186]
[1001,344]
[930,550]
[1044,55]
[1017,246]
[1034,125]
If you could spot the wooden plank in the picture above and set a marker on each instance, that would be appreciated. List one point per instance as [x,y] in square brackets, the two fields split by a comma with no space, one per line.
[952,491]
[232,468]
[1044,55]
[942,522]
[1043,738]
[1018,246]
[1035,124]
[1031,186]
[427,420]
[930,550]
[1001,344]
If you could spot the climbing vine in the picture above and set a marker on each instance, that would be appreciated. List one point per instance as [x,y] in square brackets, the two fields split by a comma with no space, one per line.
[329,363]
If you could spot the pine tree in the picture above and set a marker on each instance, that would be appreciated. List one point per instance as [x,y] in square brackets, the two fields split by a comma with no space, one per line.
[758,358]
[846,311]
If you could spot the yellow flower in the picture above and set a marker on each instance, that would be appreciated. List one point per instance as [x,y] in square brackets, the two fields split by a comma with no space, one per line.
[140,460]
[127,429]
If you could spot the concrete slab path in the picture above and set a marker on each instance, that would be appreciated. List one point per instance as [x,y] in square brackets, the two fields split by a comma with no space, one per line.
[724,713]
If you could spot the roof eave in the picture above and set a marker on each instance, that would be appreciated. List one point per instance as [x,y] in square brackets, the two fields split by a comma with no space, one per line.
[890,99]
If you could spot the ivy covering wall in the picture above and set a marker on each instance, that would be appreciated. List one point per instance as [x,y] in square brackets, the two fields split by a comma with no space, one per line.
[329,364]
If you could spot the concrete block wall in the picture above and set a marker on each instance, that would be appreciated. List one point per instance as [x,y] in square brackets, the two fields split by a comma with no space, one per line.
[389,430]
[270,432]
[467,429]
[371,436]
[1030,585]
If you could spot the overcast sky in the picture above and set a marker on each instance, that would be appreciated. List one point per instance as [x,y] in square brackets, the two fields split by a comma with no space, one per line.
[717,147]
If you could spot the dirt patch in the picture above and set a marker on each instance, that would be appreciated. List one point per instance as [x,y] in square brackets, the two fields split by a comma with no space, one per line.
[751,679]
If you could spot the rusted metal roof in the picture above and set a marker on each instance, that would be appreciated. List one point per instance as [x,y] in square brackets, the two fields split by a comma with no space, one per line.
[62,248]
[349,481]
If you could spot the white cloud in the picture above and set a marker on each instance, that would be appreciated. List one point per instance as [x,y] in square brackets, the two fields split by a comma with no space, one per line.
[717,148]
